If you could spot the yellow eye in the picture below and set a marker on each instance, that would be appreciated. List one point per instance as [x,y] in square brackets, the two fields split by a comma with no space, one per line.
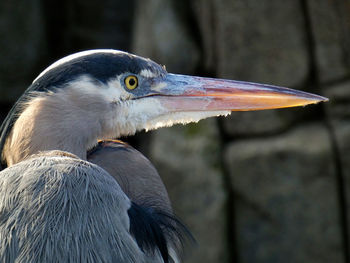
[131,82]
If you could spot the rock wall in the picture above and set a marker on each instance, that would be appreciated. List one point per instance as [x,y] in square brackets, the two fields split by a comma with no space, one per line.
[270,186]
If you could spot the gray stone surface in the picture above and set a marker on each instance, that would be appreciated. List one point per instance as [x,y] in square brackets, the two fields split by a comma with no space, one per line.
[286,197]
[159,34]
[96,25]
[187,158]
[268,122]
[342,137]
[254,42]
[255,123]
[338,112]
[330,25]
[204,16]
[338,107]
[22,46]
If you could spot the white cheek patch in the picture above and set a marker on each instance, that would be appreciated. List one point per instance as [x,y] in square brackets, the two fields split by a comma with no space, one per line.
[111,92]
[85,85]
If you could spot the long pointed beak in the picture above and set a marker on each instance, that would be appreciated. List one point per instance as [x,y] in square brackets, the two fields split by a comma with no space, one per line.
[189,93]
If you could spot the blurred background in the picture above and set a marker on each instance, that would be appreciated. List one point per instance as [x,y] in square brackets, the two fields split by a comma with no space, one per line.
[270,186]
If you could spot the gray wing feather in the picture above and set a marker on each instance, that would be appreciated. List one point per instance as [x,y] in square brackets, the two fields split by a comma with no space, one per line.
[63,209]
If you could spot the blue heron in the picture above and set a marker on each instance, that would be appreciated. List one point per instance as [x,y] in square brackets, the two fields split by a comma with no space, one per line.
[69,192]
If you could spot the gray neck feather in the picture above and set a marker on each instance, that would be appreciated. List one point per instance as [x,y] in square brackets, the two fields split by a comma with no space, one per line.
[66,120]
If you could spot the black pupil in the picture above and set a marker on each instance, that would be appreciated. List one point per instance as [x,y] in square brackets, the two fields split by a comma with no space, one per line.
[132,82]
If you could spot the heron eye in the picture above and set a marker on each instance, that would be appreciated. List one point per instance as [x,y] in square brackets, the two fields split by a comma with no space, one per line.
[131,82]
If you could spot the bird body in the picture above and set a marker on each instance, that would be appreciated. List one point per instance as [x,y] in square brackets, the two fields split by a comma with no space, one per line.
[65,197]
[52,210]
